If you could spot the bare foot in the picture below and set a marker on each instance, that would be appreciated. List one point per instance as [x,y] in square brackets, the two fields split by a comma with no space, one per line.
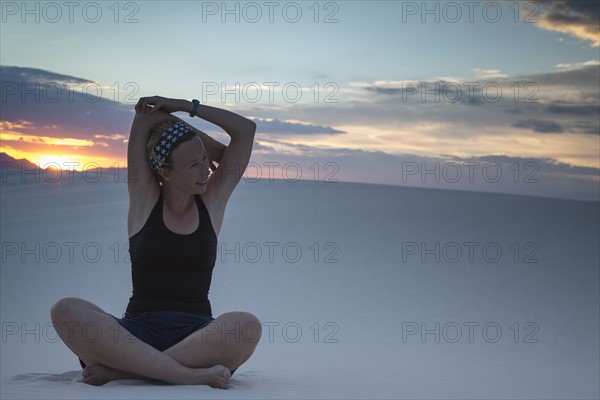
[217,377]
[98,375]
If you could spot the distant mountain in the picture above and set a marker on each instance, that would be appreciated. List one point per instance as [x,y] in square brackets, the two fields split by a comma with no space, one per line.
[6,160]
[12,168]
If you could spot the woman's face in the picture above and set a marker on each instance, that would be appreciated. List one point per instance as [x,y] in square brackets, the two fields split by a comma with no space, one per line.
[189,170]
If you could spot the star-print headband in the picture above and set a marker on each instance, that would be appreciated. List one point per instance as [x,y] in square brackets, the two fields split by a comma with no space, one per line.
[164,145]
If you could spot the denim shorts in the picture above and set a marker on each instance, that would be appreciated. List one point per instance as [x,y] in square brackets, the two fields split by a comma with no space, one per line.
[161,329]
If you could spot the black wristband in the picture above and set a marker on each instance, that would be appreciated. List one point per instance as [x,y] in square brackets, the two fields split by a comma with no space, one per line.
[195,105]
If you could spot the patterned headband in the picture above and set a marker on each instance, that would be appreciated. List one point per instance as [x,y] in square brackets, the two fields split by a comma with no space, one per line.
[164,145]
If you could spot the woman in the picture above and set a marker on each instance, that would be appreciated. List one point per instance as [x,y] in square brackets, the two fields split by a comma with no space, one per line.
[175,214]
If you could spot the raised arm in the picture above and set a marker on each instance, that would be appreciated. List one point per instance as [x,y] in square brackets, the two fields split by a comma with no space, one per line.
[141,180]
[236,155]
[236,126]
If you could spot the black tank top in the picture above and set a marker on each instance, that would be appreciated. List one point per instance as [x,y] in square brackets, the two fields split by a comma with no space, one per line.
[171,271]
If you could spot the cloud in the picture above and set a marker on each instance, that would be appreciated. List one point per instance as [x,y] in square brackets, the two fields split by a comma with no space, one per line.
[583,110]
[270,125]
[539,126]
[41,101]
[486,173]
[8,136]
[444,90]
[575,66]
[579,18]
[557,96]
[115,136]
[20,74]
[585,127]
[577,83]
[488,73]
[582,77]
[46,100]
[365,133]
[554,118]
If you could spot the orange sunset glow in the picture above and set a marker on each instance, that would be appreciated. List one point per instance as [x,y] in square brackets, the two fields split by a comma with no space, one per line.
[56,152]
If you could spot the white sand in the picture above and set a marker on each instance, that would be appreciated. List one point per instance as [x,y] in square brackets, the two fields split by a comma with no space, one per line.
[367,297]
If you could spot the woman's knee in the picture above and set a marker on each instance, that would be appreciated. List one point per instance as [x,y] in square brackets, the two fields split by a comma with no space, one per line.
[247,326]
[70,308]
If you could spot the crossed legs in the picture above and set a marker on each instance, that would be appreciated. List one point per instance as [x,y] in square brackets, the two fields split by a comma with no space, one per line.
[205,357]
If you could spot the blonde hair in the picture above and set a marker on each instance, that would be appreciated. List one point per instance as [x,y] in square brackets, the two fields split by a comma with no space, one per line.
[155,135]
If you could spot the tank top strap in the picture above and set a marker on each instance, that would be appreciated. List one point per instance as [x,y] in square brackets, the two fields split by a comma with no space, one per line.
[204,215]
[201,206]
[156,218]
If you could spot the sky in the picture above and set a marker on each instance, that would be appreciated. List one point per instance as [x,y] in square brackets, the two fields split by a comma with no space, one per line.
[483,96]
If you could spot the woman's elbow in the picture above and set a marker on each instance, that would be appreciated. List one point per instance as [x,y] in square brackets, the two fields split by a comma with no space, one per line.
[251,129]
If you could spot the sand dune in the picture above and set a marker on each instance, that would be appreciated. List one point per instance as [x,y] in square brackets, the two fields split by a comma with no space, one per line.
[384,299]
